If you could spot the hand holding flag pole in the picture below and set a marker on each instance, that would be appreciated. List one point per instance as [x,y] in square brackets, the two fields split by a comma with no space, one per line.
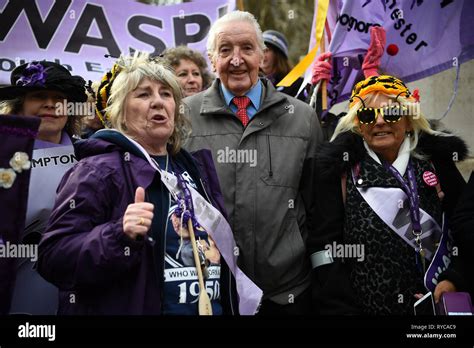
[321,72]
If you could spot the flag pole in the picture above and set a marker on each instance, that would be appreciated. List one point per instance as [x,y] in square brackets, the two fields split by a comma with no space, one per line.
[324,90]
[300,68]
[204,302]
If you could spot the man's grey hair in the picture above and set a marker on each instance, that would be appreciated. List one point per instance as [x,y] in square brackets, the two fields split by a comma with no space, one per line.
[234,16]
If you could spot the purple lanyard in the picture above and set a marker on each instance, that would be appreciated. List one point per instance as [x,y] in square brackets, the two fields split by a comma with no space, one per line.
[411,191]
[185,201]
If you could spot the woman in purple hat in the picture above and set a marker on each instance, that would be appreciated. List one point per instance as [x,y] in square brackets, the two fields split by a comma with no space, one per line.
[40,89]
[44,90]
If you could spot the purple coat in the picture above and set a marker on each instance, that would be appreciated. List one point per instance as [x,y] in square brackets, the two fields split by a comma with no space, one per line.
[85,252]
[17,133]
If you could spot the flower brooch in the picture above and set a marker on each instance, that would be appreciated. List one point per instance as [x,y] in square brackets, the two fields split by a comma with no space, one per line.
[19,162]
[34,75]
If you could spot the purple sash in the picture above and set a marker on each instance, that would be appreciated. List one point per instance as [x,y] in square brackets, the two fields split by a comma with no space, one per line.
[441,260]
[385,202]
[216,226]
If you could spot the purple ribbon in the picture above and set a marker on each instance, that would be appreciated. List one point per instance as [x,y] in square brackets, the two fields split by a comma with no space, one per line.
[411,191]
[185,203]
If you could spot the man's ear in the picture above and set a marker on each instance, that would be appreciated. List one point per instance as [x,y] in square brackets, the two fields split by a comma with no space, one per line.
[213,63]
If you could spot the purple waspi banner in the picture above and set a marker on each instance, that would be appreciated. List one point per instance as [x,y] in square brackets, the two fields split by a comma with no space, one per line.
[78,33]
[431,36]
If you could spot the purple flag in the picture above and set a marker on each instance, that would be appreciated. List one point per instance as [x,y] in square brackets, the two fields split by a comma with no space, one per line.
[78,33]
[431,36]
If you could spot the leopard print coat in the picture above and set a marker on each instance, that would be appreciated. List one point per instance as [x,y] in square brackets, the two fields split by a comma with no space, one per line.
[385,281]
[388,277]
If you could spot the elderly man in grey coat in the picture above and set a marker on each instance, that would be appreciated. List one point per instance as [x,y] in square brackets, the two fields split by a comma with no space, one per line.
[263,143]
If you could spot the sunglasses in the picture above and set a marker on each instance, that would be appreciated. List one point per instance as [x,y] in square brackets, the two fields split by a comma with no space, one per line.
[390,114]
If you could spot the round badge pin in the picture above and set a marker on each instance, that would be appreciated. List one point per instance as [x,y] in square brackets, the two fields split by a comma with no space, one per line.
[430,178]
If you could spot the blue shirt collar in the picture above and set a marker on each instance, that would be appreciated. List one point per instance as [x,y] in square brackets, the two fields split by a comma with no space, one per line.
[255,94]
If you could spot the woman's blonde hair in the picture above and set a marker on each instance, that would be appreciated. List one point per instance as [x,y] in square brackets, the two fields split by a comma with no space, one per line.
[419,123]
[132,71]
[12,106]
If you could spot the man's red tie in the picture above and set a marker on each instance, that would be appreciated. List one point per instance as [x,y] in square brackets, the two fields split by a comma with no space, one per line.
[242,103]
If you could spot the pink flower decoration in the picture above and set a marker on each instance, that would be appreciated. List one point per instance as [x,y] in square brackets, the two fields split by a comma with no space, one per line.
[416,95]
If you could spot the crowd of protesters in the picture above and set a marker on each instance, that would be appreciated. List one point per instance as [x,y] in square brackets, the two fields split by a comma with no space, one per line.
[161,190]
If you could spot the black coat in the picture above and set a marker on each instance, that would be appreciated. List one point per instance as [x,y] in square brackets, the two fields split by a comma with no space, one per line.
[384,283]
[462,227]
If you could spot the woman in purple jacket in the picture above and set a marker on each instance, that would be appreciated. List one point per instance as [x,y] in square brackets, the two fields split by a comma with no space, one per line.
[118,240]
